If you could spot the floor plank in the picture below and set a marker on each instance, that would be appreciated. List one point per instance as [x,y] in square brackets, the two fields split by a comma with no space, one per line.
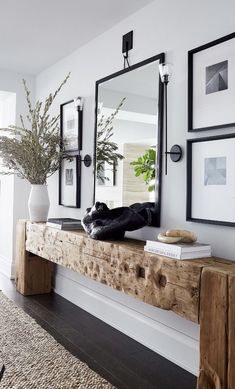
[122,361]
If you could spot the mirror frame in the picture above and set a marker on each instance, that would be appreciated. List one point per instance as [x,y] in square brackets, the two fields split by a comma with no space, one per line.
[158,181]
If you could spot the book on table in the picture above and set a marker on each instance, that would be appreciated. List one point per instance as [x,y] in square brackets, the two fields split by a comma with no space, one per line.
[64,223]
[179,250]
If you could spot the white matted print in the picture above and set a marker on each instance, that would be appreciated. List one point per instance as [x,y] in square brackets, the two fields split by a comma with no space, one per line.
[211,180]
[69,182]
[212,87]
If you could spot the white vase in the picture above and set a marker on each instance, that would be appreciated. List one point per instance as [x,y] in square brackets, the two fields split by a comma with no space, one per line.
[38,203]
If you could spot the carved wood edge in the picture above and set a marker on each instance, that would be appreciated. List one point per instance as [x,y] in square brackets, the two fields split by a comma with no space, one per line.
[217,328]
[33,273]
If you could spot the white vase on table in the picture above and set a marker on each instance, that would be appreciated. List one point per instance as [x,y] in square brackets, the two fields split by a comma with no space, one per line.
[38,203]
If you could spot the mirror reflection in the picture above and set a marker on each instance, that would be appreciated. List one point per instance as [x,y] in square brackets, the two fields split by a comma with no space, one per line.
[128,137]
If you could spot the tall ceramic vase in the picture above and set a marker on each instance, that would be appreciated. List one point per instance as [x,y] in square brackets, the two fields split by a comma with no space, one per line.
[38,203]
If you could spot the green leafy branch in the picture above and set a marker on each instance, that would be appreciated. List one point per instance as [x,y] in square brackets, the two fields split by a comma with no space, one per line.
[146,166]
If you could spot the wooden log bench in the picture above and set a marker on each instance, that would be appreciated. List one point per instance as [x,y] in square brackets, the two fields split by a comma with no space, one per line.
[202,290]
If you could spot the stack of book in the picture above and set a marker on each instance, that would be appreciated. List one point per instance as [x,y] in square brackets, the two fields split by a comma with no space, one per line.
[179,250]
[64,223]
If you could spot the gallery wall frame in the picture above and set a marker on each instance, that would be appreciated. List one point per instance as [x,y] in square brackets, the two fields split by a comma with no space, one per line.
[71,121]
[70,182]
[211,85]
[211,180]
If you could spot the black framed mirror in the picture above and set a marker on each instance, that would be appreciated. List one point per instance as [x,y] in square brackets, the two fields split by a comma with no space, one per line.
[128,136]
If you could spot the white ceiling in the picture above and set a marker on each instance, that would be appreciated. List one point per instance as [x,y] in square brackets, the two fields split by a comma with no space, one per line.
[34,34]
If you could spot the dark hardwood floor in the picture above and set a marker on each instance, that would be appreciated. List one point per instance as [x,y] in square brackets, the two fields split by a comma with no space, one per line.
[121,360]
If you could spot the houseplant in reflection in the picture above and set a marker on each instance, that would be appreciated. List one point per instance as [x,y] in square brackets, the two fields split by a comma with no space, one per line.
[145,166]
[106,148]
[34,151]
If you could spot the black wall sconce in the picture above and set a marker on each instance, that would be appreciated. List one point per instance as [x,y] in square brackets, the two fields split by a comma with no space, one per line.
[87,160]
[165,70]
[78,103]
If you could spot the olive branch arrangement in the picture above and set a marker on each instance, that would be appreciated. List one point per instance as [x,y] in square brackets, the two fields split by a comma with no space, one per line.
[33,153]
[106,149]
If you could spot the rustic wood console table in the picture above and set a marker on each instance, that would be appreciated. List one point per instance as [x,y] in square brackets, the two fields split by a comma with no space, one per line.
[202,291]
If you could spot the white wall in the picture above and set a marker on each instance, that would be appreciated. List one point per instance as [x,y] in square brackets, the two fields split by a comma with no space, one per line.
[14,192]
[173,27]
[7,117]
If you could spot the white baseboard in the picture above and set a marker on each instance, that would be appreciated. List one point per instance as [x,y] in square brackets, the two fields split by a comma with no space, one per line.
[178,347]
[5,267]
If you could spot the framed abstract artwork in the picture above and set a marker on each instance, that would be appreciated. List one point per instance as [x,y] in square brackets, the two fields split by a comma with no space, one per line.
[70,182]
[211,180]
[71,126]
[211,85]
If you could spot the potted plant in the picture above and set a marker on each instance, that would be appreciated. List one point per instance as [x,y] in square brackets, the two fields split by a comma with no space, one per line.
[34,151]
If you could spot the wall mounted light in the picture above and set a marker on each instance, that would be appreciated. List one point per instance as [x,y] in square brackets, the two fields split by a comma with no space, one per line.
[87,160]
[78,103]
[165,70]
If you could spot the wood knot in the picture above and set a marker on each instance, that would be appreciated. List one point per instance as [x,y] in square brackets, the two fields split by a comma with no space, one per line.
[126,267]
[140,272]
[195,292]
[162,280]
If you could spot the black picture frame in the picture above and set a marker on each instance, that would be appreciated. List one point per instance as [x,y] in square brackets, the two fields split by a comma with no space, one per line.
[191,70]
[190,177]
[78,117]
[161,58]
[77,177]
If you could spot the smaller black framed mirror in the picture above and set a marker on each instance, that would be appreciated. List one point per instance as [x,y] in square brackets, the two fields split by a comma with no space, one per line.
[128,137]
